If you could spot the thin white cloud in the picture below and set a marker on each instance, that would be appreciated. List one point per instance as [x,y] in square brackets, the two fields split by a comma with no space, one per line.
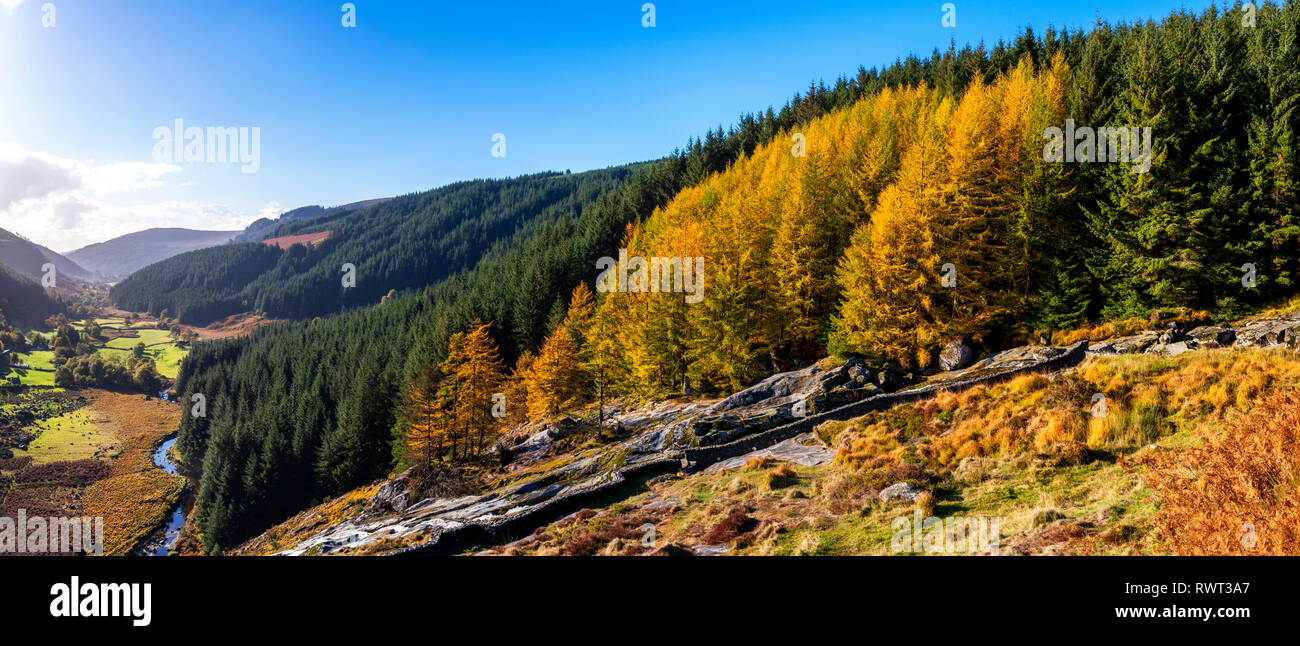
[10,5]
[66,204]
[271,211]
[127,176]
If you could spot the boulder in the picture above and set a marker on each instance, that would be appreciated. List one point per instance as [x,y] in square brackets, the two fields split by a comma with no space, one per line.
[391,496]
[846,394]
[888,379]
[782,384]
[901,491]
[956,355]
[805,383]
[1213,336]
[710,550]
[500,453]
[1268,331]
[1173,349]
[1175,333]
[1135,344]
[858,371]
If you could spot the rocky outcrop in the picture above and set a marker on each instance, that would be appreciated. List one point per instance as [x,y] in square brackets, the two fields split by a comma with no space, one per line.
[537,444]
[1268,331]
[999,367]
[1127,344]
[664,438]
[804,449]
[851,379]
[1256,332]
[1213,336]
[956,355]
[391,496]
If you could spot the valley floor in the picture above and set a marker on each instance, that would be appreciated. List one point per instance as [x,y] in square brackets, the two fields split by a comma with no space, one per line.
[91,455]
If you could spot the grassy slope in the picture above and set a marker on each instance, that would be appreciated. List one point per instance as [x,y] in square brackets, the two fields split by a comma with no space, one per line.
[1027,451]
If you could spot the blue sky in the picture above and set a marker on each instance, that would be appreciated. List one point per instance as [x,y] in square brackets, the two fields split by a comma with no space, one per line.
[409,99]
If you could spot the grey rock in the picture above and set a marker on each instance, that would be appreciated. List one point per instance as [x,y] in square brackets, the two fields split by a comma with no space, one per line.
[667,503]
[803,449]
[781,384]
[901,491]
[1173,349]
[956,355]
[1263,332]
[1175,333]
[672,549]
[391,496]
[888,379]
[858,371]
[1136,344]
[1213,336]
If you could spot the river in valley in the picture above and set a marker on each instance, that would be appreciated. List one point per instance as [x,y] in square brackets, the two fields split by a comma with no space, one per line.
[165,538]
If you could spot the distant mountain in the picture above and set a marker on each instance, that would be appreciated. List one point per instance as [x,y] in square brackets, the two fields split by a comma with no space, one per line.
[265,227]
[122,256]
[404,243]
[27,258]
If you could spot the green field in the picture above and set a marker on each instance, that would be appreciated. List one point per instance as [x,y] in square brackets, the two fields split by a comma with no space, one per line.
[158,344]
[42,360]
[168,358]
[41,372]
[149,337]
[30,377]
[78,435]
[107,322]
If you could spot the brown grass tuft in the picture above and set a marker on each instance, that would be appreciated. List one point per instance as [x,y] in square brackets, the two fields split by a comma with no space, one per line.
[734,524]
[1238,493]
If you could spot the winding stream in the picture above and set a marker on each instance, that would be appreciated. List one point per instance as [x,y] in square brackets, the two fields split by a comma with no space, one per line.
[162,542]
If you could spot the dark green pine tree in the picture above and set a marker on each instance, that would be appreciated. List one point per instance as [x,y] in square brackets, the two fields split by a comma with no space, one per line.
[360,447]
[1273,50]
